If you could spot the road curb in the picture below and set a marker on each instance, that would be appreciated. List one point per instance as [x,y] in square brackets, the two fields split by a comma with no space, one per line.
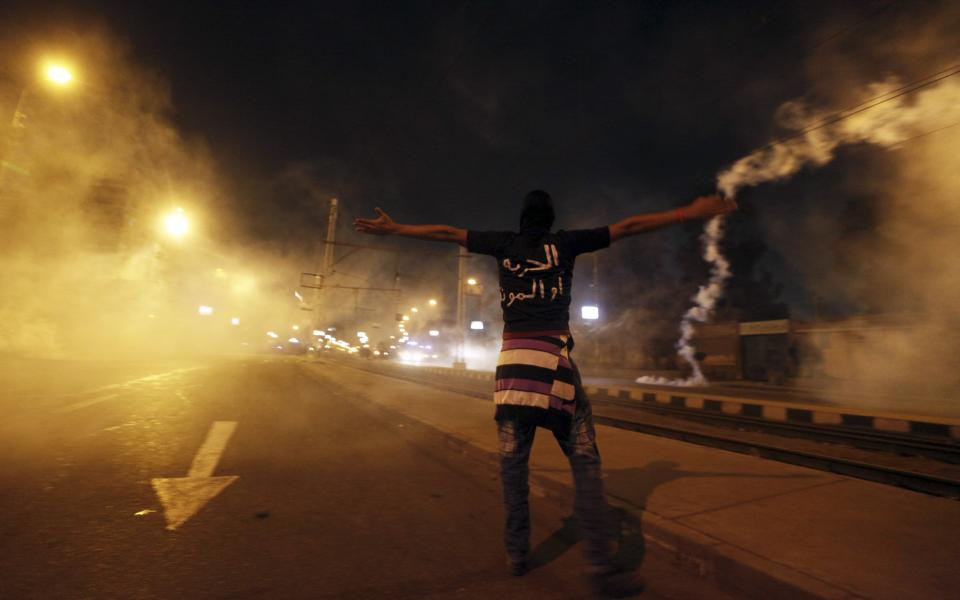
[730,568]
[945,428]
[788,412]
[735,569]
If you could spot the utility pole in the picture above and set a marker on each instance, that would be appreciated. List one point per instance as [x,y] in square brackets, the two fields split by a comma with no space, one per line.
[460,361]
[331,237]
[327,267]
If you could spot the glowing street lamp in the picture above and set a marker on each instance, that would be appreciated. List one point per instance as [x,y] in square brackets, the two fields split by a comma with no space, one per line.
[205,310]
[176,223]
[55,74]
[235,321]
[59,74]
[432,301]
[590,313]
[471,281]
[476,325]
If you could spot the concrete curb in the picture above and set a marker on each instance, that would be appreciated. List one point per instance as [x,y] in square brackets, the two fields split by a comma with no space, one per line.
[789,412]
[730,568]
[945,428]
[735,569]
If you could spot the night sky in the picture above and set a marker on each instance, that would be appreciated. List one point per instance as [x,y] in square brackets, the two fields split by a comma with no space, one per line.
[451,111]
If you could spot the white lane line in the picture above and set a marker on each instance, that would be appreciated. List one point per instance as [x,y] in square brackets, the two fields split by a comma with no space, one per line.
[120,387]
[144,379]
[182,497]
[84,403]
[209,453]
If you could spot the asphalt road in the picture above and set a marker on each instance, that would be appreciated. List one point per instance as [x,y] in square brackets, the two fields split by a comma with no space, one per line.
[333,497]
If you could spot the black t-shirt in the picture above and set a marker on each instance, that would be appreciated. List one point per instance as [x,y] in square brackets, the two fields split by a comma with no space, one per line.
[536,272]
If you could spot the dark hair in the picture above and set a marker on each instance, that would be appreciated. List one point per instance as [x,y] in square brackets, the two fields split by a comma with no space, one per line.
[537,211]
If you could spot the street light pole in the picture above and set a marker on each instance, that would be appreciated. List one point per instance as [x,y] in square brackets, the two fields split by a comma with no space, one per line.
[16,130]
[57,75]
[16,122]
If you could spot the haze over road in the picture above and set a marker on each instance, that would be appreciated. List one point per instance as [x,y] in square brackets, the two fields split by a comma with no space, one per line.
[334,498]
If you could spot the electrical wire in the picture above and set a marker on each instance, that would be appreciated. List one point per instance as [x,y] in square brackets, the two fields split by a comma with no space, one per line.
[770,57]
[845,30]
[926,133]
[868,104]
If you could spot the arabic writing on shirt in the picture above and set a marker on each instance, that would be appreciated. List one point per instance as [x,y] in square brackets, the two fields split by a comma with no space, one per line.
[521,269]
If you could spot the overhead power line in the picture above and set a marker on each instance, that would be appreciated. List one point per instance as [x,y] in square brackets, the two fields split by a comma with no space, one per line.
[868,104]
[394,250]
[845,30]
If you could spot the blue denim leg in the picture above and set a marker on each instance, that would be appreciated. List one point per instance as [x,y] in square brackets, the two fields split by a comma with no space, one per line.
[580,448]
[516,439]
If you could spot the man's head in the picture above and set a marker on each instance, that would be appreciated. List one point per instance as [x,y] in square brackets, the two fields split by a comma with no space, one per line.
[537,211]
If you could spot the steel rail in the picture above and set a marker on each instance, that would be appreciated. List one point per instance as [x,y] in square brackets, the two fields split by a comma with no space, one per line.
[870,440]
[914,480]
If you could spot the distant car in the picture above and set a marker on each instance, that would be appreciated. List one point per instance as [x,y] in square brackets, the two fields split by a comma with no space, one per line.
[294,349]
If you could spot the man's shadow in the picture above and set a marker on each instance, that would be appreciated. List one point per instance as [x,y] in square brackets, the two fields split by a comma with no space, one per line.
[624,526]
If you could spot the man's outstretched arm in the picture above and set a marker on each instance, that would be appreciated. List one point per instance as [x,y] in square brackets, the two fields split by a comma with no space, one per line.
[384,225]
[703,207]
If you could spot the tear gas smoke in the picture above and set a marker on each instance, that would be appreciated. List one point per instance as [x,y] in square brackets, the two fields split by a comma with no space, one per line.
[704,301]
[115,226]
[891,113]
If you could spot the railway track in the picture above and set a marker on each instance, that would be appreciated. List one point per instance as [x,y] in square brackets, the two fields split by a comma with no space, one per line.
[757,437]
[908,445]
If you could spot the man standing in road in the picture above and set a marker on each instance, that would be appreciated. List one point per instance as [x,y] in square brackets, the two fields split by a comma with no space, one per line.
[537,383]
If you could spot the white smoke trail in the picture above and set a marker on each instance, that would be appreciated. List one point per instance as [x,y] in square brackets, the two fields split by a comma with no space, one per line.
[890,117]
[886,121]
[704,301]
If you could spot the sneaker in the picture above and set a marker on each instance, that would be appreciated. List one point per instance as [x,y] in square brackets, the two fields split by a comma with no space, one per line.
[615,583]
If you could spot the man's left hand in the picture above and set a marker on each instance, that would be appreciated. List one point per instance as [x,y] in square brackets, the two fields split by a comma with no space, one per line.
[712,205]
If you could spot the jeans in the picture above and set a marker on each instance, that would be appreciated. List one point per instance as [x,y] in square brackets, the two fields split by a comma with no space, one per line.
[580,448]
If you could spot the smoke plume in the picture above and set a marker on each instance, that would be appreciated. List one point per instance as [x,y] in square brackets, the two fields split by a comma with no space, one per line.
[89,173]
[890,113]
[704,302]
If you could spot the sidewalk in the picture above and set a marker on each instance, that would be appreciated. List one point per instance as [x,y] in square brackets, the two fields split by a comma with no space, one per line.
[757,528]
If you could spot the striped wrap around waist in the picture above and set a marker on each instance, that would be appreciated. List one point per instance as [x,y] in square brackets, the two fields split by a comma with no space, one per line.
[534,370]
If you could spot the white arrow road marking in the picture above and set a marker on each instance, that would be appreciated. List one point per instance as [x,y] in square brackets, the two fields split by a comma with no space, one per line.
[209,453]
[182,497]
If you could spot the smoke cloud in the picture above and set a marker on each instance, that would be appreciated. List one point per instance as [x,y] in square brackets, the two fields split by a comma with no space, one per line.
[90,171]
[890,113]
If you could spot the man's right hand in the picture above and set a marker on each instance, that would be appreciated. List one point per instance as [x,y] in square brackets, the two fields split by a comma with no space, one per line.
[709,206]
[382,225]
